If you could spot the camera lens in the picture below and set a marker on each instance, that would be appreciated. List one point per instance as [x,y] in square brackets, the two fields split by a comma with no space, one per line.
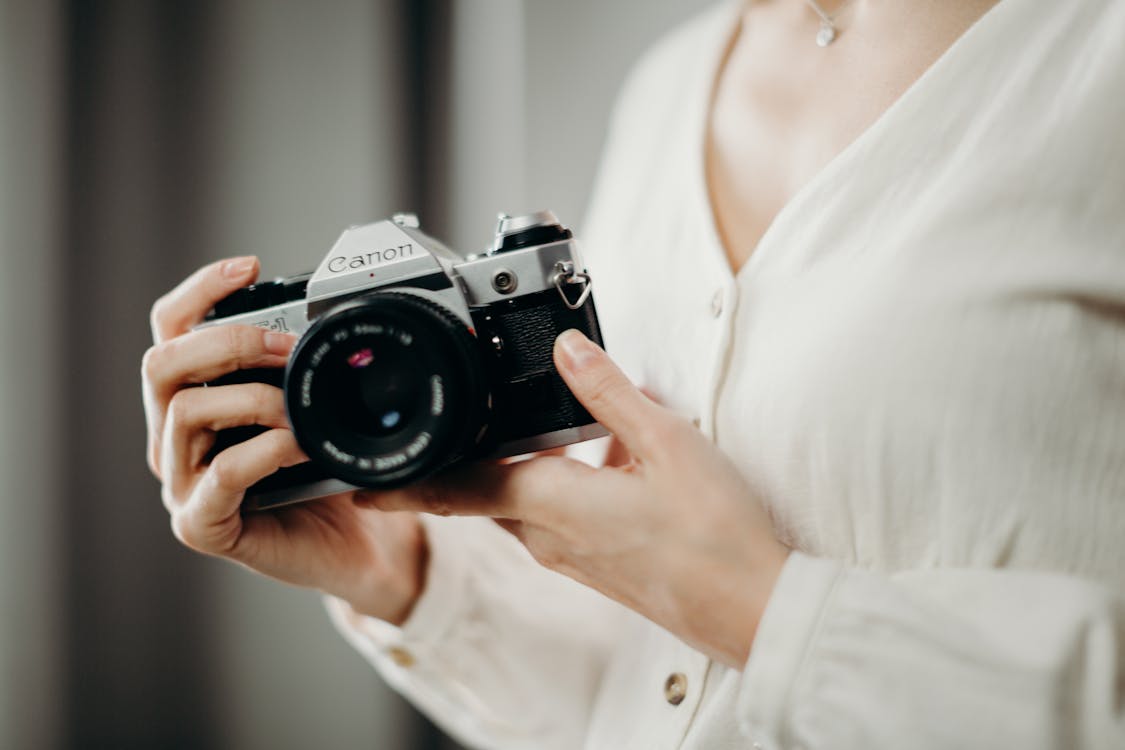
[386,389]
[376,394]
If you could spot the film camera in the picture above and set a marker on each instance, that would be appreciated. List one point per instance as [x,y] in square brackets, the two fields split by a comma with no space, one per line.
[412,357]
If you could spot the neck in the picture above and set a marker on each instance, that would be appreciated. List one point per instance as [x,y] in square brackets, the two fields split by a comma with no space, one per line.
[831,7]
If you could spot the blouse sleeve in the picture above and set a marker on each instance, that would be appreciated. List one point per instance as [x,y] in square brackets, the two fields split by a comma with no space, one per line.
[498,651]
[935,659]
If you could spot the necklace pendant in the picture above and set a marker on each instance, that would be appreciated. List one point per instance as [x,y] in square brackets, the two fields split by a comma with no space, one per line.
[826,35]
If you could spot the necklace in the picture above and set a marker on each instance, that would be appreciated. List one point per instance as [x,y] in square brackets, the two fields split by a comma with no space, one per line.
[827,33]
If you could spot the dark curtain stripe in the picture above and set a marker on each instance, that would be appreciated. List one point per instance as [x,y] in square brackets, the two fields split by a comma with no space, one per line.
[136,147]
[139,156]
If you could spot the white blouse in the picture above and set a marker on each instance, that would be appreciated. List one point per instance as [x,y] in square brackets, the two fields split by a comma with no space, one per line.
[921,370]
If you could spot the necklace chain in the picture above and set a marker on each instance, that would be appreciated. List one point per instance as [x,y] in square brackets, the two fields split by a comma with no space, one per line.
[828,31]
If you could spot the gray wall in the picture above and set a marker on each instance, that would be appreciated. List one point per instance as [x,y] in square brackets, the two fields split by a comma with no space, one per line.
[140,139]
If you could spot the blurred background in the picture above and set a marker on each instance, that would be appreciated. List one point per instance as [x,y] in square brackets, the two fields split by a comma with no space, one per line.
[139,140]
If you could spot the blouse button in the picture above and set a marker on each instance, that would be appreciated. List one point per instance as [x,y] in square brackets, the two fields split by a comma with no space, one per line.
[401,657]
[675,688]
[717,303]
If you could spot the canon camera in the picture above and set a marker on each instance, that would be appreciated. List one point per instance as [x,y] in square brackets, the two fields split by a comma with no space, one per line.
[412,357]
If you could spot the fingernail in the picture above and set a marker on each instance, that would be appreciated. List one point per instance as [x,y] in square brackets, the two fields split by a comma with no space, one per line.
[280,343]
[578,350]
[237,268]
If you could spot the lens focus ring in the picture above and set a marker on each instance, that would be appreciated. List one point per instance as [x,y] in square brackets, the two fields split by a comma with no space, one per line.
[386,389]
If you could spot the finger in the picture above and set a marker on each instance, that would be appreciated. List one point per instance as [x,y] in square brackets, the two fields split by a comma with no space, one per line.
[611,398]
[200,356]
[209,353]
[524,491]
[556,451]
[617,454]
[480,489]
[211,520]
[183,307]
[196,414]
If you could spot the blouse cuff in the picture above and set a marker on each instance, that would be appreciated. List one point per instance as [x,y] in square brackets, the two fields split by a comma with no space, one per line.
[441,602]
[786,634]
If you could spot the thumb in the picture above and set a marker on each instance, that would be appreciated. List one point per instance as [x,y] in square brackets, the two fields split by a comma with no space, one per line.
[605,391]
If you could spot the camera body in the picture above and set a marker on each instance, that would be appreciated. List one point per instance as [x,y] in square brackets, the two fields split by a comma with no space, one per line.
[412,357]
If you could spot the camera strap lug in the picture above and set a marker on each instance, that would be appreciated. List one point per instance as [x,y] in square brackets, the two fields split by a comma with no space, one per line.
[565,274]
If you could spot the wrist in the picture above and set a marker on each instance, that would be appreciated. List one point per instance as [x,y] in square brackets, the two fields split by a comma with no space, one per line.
[392,590]
[725,625]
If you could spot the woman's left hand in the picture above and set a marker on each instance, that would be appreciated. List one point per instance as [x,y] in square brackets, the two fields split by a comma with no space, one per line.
[674,532]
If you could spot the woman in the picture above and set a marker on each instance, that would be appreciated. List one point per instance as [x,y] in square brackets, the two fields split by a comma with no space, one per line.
[867,258]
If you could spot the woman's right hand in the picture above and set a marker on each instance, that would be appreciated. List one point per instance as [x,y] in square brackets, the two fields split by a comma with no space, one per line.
[374,560]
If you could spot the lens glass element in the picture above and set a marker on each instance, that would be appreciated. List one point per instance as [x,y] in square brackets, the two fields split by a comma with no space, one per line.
[377,390]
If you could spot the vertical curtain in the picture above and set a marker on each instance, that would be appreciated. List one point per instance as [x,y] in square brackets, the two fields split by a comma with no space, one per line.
[139,140]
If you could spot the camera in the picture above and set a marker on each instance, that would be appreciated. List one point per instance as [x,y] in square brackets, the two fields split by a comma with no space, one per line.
[412,357]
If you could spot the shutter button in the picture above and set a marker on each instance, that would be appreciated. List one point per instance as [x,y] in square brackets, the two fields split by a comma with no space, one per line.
[675,688]
[717,303]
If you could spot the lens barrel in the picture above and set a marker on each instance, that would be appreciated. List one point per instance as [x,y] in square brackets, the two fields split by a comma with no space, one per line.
[386,389]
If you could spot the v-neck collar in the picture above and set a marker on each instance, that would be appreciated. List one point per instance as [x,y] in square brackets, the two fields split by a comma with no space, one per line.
[731,17]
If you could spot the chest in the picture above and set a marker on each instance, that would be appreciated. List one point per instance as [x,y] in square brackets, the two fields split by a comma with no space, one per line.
[783,108]
[897,382]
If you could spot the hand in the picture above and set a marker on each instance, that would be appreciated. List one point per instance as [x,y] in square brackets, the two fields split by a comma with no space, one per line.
[373,560]
[674,533]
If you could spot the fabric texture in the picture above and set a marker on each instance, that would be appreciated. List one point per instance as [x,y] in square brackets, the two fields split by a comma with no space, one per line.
[920,370]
